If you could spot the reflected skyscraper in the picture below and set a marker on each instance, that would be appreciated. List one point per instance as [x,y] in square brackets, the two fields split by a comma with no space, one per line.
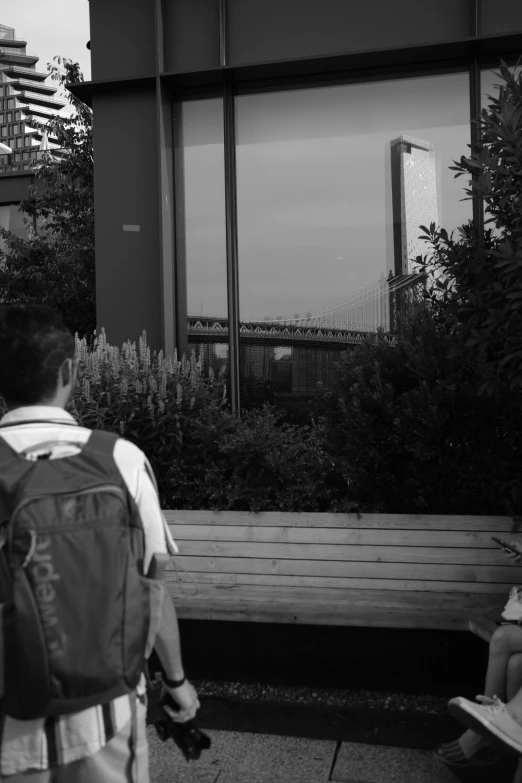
[415,198]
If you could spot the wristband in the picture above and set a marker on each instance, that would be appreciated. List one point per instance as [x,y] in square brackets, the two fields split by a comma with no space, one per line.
[173,683]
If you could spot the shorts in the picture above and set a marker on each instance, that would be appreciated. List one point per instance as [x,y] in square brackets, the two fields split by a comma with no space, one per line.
[112,764]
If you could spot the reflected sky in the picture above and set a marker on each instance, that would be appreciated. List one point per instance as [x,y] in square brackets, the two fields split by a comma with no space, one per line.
[314,188]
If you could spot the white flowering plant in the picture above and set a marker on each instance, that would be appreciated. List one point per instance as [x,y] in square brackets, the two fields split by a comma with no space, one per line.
[146,399]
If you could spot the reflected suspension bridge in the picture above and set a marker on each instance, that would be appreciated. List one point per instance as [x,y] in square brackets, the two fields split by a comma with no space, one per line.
[348,320]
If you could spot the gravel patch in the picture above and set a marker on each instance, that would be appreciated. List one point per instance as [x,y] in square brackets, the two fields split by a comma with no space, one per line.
[323,697]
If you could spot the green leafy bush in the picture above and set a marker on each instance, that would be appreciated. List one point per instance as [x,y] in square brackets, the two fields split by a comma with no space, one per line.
[478,285]
[410,433]
[54,264]
[256,463]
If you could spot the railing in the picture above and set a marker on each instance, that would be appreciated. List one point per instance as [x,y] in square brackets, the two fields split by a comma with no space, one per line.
[47,89]
[37,98]
[13,53]
[7,32]
[20,69]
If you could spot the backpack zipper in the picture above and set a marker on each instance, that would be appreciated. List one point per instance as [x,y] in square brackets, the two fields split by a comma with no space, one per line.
[101,488]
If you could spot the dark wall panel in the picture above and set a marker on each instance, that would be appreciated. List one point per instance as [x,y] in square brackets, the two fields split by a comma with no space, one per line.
[501,16]
[122,38]
[191,34]
[14,187]
[274,30]
[128,280]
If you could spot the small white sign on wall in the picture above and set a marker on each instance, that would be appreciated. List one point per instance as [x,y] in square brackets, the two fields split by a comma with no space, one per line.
[131,228]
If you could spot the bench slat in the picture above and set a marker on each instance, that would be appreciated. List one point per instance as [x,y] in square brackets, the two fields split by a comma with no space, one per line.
[345,553]
[217,579]
[354,608]
[350,536]
[416,571]
[497,524]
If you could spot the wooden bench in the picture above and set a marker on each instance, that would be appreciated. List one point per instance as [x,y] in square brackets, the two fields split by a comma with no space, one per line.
[381,570]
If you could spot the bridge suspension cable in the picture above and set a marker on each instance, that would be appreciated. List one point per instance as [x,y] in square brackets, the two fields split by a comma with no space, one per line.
[372,293]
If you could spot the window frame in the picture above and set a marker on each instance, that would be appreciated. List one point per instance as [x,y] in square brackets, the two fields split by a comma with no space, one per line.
[471,56]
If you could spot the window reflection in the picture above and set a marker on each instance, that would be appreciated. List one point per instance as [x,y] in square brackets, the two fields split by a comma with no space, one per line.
[205,232]
[333,184]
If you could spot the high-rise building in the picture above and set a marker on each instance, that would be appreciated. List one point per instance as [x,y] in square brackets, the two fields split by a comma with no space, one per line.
[23,94]
[415,198]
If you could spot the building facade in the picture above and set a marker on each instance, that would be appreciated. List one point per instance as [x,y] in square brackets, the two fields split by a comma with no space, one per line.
[23,95]
[416,197]
[251,180]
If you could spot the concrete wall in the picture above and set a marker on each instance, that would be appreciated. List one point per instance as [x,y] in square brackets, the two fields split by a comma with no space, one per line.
[126,193]
[291,29]
[122,38]
[13,187]
[501,16]
[275,30]
[191,35]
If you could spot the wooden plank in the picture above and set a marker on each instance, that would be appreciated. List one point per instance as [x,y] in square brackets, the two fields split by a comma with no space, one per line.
[417,571]
[324,535]
[496,524]
[345,553]
[348,600]
[190,581]
[444,615]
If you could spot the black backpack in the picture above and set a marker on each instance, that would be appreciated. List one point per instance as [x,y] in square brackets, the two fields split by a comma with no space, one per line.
[76,606]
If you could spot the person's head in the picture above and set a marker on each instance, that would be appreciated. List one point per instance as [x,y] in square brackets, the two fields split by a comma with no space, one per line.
[37,357]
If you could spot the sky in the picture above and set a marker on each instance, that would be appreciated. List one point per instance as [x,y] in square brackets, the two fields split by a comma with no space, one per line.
[51,27]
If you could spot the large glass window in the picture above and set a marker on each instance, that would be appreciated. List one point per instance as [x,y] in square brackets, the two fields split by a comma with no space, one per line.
[333,184]
[203,179]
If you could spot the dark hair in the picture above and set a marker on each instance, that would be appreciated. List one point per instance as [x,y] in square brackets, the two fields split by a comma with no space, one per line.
[34,342]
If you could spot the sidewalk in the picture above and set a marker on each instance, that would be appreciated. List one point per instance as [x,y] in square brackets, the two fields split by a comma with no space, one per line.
[261,758]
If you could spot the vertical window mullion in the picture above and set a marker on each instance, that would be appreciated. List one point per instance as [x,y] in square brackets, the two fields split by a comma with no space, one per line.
[475,109]
[231,244]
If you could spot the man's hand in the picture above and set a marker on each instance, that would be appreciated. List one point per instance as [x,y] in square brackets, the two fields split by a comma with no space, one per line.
[188,701]
[515,557]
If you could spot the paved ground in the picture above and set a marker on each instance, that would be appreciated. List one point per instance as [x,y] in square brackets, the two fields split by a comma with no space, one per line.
[261,758]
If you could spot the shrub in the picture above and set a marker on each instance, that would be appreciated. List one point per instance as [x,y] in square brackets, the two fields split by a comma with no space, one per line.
[410,433]
[478,285]
[256,463]
[148,400]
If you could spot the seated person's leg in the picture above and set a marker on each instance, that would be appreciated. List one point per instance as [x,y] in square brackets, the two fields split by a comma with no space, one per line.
[514,676]
[505,644]
[495,720]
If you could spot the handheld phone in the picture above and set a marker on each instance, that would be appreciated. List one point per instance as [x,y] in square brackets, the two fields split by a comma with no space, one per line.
[504,545]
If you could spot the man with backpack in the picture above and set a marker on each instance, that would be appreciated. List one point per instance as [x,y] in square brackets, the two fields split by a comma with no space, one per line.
[80,526]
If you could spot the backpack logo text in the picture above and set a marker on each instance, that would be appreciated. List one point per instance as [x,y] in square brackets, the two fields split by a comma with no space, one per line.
[44,574]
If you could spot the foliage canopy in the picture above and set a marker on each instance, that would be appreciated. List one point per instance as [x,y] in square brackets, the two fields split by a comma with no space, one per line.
[54,264]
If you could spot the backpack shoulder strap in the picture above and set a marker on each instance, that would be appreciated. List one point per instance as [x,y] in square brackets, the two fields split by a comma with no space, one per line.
[100,448]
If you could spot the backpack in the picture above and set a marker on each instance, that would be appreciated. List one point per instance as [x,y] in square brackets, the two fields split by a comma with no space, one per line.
[76,606]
